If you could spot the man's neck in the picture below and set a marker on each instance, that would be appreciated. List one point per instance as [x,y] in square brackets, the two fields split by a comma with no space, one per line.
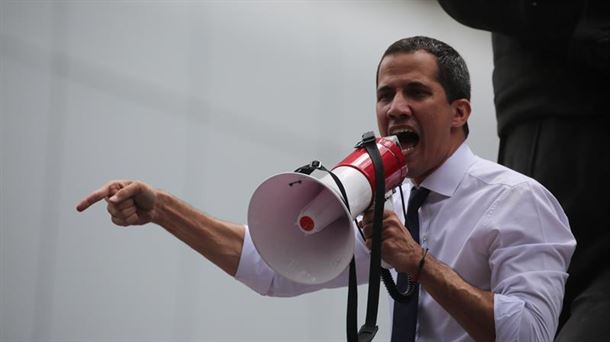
[420,179]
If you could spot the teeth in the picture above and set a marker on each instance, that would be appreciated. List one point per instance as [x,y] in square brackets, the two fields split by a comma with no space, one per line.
[405,130]
[408,137]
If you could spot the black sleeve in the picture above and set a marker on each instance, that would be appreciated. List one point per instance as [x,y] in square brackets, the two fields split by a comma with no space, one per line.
[525,19]
[590,42]
[576,29]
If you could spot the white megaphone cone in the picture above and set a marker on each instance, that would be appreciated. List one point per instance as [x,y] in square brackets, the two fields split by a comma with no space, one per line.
[300,224]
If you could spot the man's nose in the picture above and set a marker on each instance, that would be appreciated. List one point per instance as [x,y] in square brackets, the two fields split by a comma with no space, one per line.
[399,107]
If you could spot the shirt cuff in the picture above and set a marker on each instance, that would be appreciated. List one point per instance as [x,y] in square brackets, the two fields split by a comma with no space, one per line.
[507,316]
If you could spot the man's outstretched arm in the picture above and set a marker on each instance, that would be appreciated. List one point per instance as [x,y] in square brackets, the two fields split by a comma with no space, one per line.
[136,203]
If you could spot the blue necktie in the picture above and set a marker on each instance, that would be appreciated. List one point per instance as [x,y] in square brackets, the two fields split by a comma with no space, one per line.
[405,314]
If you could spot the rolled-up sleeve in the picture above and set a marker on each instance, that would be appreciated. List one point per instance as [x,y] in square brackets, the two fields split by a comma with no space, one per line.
[257,275]
[529,257]
[252,271]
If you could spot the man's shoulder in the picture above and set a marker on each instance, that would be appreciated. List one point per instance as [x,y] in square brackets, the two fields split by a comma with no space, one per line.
[494,174]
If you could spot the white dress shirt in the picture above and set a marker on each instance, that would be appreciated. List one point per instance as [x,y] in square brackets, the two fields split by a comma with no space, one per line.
[499,230]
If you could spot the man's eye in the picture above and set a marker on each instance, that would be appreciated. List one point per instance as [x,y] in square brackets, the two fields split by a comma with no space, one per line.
[417,93]
[383,97]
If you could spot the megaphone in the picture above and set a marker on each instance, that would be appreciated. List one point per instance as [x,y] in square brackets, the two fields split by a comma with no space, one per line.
[300,224]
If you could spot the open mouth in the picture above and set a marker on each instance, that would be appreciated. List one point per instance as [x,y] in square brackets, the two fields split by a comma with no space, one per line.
[408,139]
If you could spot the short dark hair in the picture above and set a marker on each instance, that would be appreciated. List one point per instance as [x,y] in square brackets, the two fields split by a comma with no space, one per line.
[453,73]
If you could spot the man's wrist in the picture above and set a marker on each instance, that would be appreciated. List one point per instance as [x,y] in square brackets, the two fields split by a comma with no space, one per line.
[420,265]
[159,214]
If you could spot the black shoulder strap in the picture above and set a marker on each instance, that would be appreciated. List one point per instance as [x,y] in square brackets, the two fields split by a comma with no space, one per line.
[369,329]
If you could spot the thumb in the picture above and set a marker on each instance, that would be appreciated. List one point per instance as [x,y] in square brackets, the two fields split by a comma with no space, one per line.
[142,195]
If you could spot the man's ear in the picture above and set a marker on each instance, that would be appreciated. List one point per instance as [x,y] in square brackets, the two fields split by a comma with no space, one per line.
[461,112]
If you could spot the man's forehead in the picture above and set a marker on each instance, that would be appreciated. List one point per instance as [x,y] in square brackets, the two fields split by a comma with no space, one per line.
[420,66]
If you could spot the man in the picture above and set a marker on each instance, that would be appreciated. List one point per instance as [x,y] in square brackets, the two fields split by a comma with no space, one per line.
[498,242]
[551,69]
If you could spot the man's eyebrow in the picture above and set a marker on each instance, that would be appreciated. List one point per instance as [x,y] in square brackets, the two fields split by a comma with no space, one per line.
[418,84]
[410,84]
[384,88]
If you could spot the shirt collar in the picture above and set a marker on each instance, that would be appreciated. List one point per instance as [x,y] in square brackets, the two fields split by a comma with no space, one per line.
[448,176]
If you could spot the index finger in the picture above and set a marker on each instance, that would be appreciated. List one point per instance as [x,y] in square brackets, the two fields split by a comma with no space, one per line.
[94,197]
[369,215]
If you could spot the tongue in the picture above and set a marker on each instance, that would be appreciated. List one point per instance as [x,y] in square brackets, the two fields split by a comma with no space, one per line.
[408,140]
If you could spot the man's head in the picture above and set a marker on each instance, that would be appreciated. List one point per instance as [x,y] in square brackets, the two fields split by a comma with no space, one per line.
[423,96]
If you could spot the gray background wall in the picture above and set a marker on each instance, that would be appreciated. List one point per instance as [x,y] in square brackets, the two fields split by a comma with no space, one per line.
[204,99]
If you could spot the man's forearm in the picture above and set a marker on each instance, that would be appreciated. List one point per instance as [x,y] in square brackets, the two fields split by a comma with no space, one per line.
[471,307]
[218,241]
